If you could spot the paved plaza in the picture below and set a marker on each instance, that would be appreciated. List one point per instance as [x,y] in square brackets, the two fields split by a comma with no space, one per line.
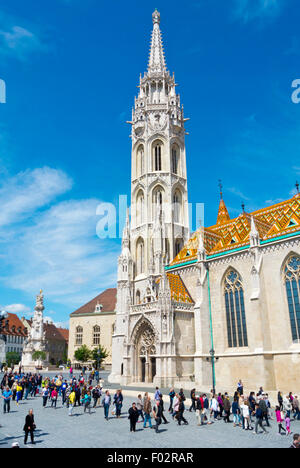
[55,429]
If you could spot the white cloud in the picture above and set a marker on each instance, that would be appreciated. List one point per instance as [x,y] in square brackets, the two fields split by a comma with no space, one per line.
[29,191]
[52,246]
[238,193]
[17,309]
[18,40]
[249,10]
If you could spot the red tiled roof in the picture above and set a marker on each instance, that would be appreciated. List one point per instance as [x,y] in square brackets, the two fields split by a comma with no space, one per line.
[13,321]
[108,299]
[54,333]
[65,333]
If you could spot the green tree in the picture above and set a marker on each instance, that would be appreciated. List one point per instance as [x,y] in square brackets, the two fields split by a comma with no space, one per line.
[83,354]
[12,358]
[39,356]
[98,355]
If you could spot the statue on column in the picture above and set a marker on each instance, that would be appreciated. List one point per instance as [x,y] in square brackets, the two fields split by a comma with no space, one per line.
[36,340]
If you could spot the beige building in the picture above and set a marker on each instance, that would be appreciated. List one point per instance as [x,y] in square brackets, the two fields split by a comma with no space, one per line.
[92,325]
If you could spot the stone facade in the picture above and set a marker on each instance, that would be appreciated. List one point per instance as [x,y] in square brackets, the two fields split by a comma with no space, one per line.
[92,325]
[229,299]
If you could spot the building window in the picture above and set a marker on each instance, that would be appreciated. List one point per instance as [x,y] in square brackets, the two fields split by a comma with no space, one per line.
[178,246]
[292,284]
[140,257]
[177,207]
[140,161]
[96,336]
[235,311]
[140,208]
[175,159]
[157,157]
[79,336]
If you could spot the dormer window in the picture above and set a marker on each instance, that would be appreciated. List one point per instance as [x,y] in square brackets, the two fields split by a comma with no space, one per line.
[99,308]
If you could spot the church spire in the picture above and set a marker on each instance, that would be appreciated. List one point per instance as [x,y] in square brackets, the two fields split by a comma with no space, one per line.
[157,63]
[223,215]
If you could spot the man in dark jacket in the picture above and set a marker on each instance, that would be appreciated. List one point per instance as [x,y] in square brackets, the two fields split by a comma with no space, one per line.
[264,409]
[133,417]
[259,419]
[29,427]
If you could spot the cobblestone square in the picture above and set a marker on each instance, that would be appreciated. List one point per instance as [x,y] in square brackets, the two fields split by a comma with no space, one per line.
[55,429]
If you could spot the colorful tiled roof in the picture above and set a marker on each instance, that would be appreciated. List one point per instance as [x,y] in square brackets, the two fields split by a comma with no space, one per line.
[108,299]
[273,221]
[179,292]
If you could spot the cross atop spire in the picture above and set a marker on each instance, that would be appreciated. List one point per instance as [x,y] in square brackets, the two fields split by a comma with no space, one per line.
[221,189]
[157,63]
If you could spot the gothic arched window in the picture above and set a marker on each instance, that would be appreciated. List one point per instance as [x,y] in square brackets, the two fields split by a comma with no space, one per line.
[235,311]
[175,159]
[140,208]
[178,246]
[157,157]
[177,206]
[96,335]
[79,336]
[138,297]
[140,257]
[140,169]
[292,284]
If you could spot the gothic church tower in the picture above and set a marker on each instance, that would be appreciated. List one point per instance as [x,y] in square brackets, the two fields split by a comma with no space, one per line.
[159,201]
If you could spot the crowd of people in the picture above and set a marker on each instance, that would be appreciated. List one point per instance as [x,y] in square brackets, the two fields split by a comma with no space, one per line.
[250,413]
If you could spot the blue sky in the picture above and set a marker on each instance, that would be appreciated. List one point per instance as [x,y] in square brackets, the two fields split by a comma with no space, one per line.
[71,69]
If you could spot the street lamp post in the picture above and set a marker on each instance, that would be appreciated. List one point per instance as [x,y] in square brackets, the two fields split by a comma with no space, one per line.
[212,354]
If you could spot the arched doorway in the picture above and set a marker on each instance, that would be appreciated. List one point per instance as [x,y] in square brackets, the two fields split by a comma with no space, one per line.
[146,353]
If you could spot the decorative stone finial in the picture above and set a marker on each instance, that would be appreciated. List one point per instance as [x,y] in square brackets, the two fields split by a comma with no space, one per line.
[156,17]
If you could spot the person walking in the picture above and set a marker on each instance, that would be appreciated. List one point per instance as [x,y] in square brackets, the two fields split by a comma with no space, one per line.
[181,409]
[193,398]
[287,406]
[54,396]
[171,396]
[157,415]
[72,402]
[214,407]
[279,420]
[45,395]
[7,396]
[19,393]
[133,417]
[280,400]
[296,409]
[118,402]
[147,412]
[264,409]
[259,419]
[29,427]
[96,396]
[161,404]
[140,408]
[86,401]
[227,408]
[157,394]
[236,411]
[246,415]
[106,402]
[199,411]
